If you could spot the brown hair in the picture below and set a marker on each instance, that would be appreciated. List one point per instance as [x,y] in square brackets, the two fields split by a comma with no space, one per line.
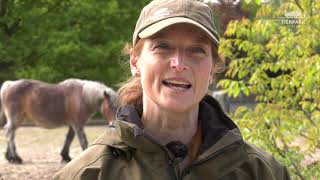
[130,91]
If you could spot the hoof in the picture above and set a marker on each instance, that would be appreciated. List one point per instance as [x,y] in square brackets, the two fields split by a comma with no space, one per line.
[13,159]
[66,159]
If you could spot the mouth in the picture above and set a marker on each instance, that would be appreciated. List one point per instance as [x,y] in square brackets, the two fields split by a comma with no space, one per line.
[177,84]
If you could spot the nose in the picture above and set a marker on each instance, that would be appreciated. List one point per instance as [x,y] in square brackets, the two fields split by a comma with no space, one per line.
[177,62]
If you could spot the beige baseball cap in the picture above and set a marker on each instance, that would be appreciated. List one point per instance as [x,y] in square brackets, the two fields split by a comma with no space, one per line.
[159,14]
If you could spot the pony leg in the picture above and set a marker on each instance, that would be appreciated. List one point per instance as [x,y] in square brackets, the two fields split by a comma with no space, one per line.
[82,137]
[65,150]
[2,118]
[11,154]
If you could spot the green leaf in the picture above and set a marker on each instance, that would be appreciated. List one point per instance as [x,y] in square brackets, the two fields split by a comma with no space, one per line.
[280,66]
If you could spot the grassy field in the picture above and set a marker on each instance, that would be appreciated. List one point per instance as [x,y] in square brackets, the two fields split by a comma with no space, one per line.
[40,150]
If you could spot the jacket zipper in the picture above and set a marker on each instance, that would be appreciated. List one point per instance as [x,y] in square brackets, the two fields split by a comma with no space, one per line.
[171,163]
[173,171]
[171,160]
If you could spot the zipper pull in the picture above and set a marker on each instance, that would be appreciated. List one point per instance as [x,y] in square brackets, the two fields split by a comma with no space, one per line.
[179,151]
[175,161]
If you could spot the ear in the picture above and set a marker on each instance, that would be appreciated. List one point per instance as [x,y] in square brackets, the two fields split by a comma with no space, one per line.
[134,64]
[212,73]
[211,80]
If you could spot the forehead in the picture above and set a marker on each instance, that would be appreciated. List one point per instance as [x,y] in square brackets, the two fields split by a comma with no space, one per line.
[183,30]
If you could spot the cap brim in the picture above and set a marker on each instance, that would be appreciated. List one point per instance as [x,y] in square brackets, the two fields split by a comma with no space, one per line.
[158,26]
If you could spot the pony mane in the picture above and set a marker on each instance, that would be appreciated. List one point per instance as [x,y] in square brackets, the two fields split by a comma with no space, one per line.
[92,91]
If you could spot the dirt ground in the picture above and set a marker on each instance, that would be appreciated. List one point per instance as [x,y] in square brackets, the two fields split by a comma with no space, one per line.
[40,150]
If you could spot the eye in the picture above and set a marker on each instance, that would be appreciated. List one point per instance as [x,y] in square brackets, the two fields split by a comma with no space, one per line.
[162,46]
[197,50]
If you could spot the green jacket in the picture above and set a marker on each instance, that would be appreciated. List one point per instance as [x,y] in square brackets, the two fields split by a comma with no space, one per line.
[126,152]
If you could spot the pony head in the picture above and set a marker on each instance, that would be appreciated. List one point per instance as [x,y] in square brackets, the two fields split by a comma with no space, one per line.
[98,96]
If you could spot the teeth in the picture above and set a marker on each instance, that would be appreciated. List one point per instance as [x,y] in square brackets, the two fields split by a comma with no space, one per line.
[177,85]
[177,82]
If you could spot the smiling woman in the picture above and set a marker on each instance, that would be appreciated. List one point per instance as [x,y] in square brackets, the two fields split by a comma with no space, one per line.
[174,68]
[167,126]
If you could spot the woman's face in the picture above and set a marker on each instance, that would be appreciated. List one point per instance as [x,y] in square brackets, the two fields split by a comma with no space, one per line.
[175,67]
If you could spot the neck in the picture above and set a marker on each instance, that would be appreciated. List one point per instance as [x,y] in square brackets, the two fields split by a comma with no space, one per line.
[167,126]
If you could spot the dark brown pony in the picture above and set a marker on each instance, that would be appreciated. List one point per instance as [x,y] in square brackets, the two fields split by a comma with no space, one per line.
[71,102]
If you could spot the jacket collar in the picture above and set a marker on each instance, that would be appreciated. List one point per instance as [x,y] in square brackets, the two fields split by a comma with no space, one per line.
[219,135]
[214,122]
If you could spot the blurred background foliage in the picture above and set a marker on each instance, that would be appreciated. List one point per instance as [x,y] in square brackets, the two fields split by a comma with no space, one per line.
[266,56]
[273,55]
[52,40]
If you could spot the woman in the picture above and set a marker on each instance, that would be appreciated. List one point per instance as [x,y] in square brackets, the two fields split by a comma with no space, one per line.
[167,127]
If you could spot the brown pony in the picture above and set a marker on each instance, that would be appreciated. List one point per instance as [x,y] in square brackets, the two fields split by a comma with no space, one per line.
[71,102]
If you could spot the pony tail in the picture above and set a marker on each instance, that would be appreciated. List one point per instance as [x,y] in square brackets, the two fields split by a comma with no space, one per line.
[130,93]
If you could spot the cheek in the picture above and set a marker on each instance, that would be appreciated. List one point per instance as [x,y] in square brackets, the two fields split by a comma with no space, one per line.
[205,71]
[149,72]
[203,78]
[151,66]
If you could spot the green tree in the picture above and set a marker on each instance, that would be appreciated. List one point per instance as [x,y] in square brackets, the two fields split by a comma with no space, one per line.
[275,56]
[52,40]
